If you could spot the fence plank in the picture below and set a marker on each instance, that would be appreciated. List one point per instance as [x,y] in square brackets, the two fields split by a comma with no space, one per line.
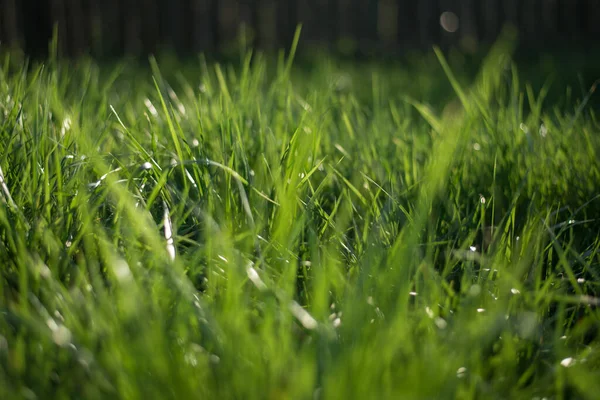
[408,26]
[428,19]
[387,24]
[593,19]
[38,31]
[248,12]
[287,19]
[12,22]
[468,25]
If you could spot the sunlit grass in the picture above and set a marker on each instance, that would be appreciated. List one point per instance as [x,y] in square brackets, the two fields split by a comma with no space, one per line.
[264,231]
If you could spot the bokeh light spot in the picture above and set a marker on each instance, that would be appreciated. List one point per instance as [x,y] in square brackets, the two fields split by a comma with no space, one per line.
[449,21]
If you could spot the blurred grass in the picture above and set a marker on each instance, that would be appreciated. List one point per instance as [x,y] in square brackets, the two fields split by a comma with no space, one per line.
[263,230]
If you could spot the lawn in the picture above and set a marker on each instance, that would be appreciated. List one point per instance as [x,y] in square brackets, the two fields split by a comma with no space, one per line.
[274,229]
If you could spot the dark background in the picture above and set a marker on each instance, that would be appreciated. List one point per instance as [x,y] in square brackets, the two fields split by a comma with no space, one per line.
[108,28]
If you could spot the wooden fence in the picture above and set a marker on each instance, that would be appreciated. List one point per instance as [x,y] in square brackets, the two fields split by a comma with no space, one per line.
[115,27]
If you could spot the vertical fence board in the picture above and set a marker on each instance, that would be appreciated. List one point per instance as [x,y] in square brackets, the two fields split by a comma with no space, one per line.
[248,13]
[76,39]
[529,23]
[331,20]
[149,26]
[38,30]
[408,27]
[345,19]
[287,18]
[593,19]
[268,27]
[11,14]
[428,21]
[387,24]
[130,20]
[511,12]
[550,19]
[307,14]
[111,37]
[468,25]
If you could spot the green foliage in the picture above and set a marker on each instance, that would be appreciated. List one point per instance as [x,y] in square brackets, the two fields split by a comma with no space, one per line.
[266,231]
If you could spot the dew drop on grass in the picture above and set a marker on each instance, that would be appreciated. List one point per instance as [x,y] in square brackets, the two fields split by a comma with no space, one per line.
[527,324]
[255,278]
[45,271]
[28,394]
[303,316]
[515,291]
[150,107]
[461,372]
[59,316]
[85,358]
[474,290]
[52,324]
[61,336]
[568,362]
[190,359]
[66,126]
[3,344]
[441,323]
[429,312]
[122,271]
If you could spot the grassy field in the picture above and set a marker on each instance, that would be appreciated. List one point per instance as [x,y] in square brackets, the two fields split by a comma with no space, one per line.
[272,231]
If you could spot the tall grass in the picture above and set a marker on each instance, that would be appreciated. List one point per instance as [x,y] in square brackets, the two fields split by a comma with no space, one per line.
[266,232]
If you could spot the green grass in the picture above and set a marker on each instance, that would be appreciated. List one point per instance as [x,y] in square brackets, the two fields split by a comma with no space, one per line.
[267,231]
